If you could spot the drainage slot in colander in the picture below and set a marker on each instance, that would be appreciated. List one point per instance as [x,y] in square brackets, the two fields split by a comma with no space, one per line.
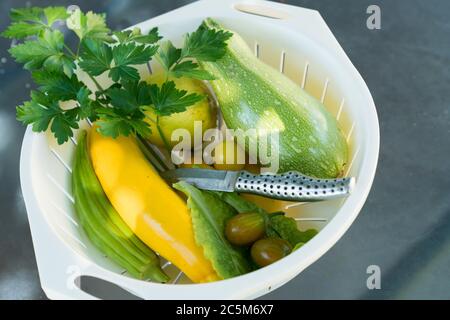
[260,10]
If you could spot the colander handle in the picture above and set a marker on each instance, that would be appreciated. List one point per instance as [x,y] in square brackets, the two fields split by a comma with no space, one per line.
[293,186]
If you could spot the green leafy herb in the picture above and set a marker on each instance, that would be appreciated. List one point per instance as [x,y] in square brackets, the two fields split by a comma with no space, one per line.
[202,45]
[40,111]
[33,21]
[89,25]
[53,14]
[34,53]
[63,123]
[168,99]
[20,30]
[205,44]
[126,54]
[130,96]
[58,85]
[190,69]
[96,56]
[113,124]
[135,35]
[209,215]
[168,55]
[86,105]
[119,109]
[32,14]
[37,112]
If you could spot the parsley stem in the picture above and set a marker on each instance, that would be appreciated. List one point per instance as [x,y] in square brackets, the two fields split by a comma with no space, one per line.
[150,119]
[161,134]
[74,56]
[78,48]
[99,87]
[149,67]
[158,161]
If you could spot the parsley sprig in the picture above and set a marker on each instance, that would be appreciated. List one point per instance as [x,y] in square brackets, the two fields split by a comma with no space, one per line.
[119,109]
[202,45]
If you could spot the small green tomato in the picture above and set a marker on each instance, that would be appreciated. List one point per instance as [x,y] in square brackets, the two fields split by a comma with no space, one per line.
[269,250]
[245,228]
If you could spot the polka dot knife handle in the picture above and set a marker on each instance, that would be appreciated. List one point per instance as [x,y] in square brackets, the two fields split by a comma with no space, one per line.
[293,186]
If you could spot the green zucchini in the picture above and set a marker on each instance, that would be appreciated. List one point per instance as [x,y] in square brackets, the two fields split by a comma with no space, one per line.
[253,95]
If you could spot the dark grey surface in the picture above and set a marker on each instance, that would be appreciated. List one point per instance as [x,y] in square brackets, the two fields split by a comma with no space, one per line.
[404,226]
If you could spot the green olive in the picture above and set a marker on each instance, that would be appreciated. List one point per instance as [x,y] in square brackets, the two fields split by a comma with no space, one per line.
[245,228]
[269,250]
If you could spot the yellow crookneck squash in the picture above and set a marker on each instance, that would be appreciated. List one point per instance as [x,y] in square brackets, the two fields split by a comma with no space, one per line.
[151,208]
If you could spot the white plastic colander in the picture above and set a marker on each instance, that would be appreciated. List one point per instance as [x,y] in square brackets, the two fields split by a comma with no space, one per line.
[297,42]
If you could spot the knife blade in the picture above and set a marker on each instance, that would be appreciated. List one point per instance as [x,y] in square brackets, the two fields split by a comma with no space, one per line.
[289,186]
[207,179]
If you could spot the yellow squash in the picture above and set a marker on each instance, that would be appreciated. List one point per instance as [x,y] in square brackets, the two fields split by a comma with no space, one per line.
[155,213]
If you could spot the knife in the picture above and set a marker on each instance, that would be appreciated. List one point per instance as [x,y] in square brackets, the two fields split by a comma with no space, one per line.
[289,186]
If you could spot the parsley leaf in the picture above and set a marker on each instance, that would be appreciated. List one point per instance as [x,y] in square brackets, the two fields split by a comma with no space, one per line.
[167,99]
[54,39]
[53,14]
[130,96]
[20,30]
[126,115]
[87,106]
[40,111]
[123,72]
[205,44]
[60,62]
[44,52]
[113,124]
[63,123]
[57,85]
[190,69]
[34,53]
[26,14]
[136,36]
[126,54]
[33,21]
[168,55]
[96,56]
[89,25]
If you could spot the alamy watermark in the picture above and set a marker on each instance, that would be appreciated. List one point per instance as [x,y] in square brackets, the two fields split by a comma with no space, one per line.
[374,20]
[261,144]
[374,279]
